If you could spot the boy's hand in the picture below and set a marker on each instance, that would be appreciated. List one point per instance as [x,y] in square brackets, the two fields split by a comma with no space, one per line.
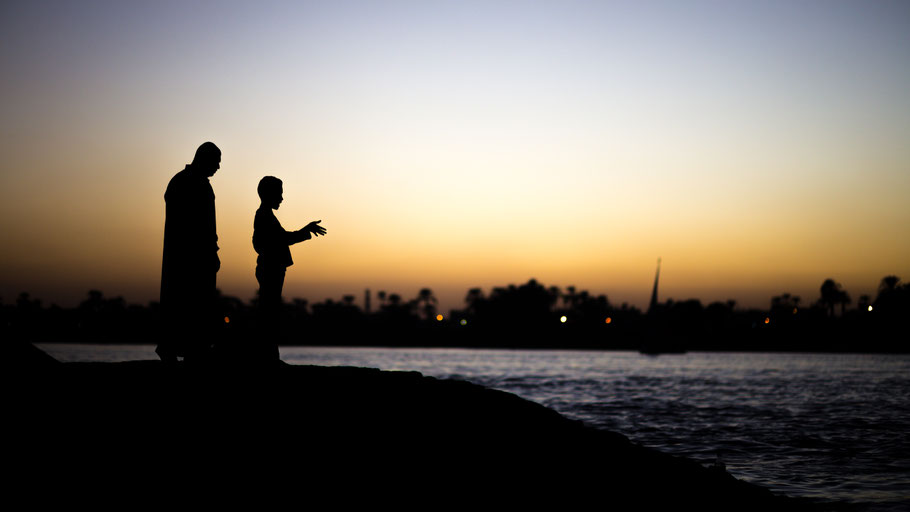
[315,228]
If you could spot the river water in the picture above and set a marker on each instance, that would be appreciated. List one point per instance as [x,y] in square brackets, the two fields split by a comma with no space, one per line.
[832,427]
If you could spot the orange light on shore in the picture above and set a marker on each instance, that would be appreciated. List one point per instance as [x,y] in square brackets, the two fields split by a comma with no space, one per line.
[767,320]
[227,319]
[439,318]
[609,320]
[563,319]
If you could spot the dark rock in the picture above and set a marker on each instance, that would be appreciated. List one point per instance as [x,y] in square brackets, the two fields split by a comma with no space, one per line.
[154,428]
[17,355]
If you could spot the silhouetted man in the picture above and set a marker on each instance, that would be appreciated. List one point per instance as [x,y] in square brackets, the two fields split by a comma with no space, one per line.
[190,261]
[272,243]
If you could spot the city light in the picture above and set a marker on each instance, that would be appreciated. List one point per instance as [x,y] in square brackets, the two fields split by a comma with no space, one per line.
[563,319]
[463,322]
[439,318]
[227,319]
[767,320]
[609,320]
[870,308]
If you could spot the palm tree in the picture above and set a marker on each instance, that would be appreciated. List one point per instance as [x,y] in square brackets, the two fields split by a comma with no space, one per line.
[844,298]
[568,299]
[831,295]
[474,296]
[554,292]
[890,292]
[426,303]
[888,285]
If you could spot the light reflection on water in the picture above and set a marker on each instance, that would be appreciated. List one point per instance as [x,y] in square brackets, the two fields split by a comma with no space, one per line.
[829,426]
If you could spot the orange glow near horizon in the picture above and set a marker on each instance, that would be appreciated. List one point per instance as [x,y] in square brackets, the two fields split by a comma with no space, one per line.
[573,146]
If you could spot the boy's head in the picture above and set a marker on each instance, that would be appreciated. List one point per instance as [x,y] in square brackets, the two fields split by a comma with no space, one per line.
[270,191]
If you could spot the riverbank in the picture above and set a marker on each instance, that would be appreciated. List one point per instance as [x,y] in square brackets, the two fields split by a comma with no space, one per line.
[401,432]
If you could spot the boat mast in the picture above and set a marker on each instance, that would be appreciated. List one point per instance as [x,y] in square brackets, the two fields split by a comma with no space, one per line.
[653,305]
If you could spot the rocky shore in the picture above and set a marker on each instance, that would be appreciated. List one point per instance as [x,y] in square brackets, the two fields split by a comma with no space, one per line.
[399,434]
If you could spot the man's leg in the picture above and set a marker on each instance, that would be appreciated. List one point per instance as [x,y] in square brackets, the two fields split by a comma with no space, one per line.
[199,319]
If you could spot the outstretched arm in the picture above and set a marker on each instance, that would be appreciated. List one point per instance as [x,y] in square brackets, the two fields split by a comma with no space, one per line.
[315,228]
[306,232]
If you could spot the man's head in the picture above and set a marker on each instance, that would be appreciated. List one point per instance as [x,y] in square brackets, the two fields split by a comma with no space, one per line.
[270,192]
[207,160]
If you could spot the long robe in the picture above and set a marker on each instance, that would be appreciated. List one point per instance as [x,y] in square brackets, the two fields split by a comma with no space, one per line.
[189,266]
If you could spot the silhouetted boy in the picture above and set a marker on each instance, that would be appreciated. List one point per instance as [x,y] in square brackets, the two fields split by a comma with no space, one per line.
[272,243]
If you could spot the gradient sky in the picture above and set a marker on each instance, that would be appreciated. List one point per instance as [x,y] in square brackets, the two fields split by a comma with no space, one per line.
[757,147]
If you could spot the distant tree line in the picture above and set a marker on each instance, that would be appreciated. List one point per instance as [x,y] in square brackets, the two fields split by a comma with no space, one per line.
[529,315]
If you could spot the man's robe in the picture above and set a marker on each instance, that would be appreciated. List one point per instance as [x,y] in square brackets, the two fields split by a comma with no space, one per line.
[189,265]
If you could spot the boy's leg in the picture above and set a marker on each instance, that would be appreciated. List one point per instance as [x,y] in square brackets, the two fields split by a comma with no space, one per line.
[271,282]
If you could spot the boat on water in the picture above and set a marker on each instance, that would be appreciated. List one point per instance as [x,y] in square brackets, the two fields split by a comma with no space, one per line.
[659,338]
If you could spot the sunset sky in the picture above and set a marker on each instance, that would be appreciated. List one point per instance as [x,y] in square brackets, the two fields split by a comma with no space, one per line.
[756,147]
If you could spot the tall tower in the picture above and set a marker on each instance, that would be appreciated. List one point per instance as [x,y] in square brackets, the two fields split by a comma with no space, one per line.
[653,305]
